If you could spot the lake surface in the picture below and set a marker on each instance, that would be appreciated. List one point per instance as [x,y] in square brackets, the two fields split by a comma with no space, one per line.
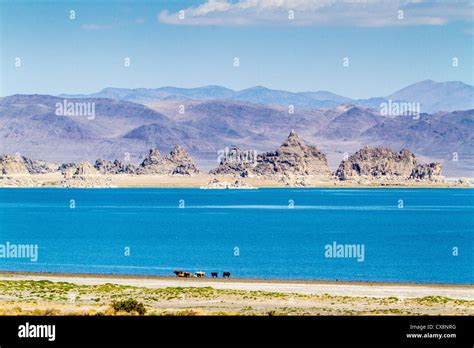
[407,235]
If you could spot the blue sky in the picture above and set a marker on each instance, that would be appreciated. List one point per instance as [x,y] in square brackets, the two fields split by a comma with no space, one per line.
[84,55]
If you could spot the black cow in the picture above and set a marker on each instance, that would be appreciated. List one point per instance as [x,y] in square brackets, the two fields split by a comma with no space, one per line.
[214,274]
[226,274]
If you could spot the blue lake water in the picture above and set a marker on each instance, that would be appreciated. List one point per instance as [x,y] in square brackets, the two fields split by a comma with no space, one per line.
[250,233]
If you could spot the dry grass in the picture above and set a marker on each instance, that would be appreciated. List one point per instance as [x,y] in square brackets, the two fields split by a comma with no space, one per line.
[61,298]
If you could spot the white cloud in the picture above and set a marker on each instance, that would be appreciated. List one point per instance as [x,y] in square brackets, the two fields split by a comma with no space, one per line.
[363,13]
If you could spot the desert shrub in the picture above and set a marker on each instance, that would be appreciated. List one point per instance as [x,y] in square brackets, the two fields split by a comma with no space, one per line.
[129,306]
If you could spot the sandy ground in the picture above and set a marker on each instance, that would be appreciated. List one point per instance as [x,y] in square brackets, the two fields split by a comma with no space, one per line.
[61,294]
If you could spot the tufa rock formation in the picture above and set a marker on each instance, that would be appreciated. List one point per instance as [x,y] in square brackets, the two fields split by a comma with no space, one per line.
[81,169]
[384,163]
[83,175]
[14,172]
[183,162]
[178,162]
[428,171]
[40,167]
[115,167]
[294,164]
[85,169]
[293,157]
[152,160]
[20,165]
[216,184]
[376,163]
[234,161]
[12,165]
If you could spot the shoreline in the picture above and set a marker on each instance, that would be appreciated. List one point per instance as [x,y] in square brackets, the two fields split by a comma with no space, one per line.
[313,287]
[230,280]
[56,180]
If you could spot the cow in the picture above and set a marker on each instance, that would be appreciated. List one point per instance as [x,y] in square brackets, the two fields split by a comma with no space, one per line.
[187,274]
[214,274]
[226,274]
[200,274]
[177,272]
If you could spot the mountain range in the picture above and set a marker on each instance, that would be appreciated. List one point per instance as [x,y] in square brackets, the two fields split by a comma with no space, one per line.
[125,130]
[432,96]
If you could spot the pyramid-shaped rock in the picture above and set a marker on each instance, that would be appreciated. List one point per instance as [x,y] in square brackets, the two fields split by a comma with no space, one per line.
[293,157]
[183,162]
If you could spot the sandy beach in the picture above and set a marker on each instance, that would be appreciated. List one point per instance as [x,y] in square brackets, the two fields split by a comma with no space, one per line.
[60,294]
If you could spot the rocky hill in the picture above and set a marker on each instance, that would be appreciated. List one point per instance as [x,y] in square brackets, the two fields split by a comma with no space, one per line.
[384,163]
[349,124]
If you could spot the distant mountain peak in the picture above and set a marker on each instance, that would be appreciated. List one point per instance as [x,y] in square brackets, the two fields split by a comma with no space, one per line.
[437,96]
[256,88]
[354,109]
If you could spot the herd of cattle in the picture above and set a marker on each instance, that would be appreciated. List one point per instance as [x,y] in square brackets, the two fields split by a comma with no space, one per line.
[199,274]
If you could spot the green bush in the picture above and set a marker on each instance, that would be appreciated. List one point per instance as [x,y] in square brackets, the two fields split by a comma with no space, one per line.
[129,306]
